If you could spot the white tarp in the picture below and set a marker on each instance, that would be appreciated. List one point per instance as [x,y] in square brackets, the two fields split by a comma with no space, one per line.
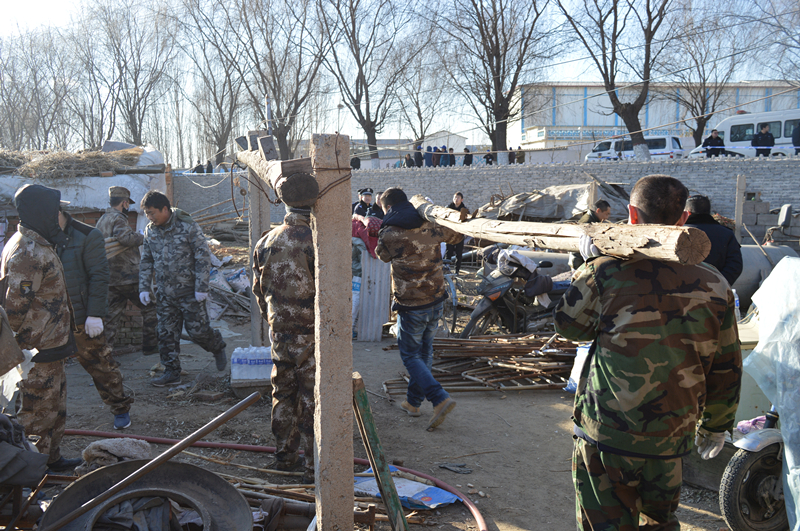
[775,366]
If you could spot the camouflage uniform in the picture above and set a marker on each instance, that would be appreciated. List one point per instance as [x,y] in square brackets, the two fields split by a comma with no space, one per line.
[86,271]
[177,254]
[124,281]
[39,313]
[283,284]
[665,358]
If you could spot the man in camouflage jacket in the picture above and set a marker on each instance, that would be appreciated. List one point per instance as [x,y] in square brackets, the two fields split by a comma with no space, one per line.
[124,267]
[33,293]
[283,284]
[413,246]
[176,255]
[83,257]
[664,369]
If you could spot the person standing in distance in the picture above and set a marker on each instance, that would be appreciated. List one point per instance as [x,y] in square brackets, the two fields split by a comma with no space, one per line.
[413,246]
[726,253]
[123,283]
[456,250]
[83,257]
[33,293]
[714,144]
[283,284]
[175,254]
[663,372]
[763,139]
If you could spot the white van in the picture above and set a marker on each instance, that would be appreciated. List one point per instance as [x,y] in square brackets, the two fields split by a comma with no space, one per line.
[737,131]
[661,147]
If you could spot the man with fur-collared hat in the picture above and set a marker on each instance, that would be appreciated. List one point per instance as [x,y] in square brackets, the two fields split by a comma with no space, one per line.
[33,293]
[123,283]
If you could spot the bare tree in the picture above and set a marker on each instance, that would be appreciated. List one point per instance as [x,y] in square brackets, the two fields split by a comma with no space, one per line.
[620,37]
[141,42]
[492,45]
[420,92]
[775,22]
[212,54]
[697,68]
[13,103]
[370,50]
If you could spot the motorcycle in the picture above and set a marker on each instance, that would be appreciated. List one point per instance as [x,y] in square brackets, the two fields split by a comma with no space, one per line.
[751,492]
[514,295]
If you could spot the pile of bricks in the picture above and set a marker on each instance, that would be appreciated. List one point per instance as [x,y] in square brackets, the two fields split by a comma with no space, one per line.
[129,336]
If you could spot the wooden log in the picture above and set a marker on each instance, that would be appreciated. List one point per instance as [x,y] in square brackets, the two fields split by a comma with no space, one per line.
[291,179]
[684,245]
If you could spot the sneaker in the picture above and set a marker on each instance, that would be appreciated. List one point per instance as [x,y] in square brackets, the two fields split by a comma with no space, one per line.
[411,410]
[122,421]
[63,464]
[440,412]
[221,359]
[168,378]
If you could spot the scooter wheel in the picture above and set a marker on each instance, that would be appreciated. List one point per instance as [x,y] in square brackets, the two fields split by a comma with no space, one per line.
[746,491]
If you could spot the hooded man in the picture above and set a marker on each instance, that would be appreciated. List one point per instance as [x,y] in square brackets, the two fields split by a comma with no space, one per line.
[123,285]
[83,257]
[33,293]
[413,246]
[283,285]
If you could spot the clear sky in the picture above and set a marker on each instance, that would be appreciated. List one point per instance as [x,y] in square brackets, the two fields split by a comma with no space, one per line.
[42,12]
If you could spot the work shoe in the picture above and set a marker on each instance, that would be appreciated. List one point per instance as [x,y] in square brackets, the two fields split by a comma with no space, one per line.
[289,466]
[169,377]
[440,412]
[63,464]
[221,359]
[122,421]
[411,410]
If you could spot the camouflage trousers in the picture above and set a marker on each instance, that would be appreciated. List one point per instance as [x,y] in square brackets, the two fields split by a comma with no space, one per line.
[94,355]
[44,406]
[293,371]
[118,297]
[619,493]
[173,315]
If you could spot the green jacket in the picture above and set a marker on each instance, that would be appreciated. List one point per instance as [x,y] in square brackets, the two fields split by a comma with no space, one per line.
[85,270]
[665,354]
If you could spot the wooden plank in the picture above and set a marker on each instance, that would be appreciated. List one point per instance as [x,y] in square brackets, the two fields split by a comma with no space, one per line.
[377,460]
[684,245]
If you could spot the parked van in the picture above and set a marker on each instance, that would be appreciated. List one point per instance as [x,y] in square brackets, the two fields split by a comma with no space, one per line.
[737,131]
[661,147]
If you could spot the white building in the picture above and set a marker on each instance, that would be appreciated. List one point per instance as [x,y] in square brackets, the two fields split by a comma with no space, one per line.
[577,115]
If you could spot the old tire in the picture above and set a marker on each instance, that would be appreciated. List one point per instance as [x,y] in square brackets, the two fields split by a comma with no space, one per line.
[478,324]
[744,498]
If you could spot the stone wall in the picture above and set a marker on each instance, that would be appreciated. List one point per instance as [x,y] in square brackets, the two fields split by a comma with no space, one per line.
[192,192]
[777,181]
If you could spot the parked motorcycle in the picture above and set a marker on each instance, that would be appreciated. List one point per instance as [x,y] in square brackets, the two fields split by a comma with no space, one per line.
[514,294]
[751,494]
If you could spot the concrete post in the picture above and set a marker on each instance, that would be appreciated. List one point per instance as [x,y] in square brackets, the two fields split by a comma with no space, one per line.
[333,419]
[741,187]
[259,223]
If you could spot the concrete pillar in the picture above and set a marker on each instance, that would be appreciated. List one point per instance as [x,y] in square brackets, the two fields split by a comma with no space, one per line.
[259,223]
[333,420]
[741,188]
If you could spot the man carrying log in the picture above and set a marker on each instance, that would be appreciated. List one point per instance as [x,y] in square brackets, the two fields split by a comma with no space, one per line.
[413,246]
[176,254]
[664,370]
[83,257]
[123,285]
[283,284]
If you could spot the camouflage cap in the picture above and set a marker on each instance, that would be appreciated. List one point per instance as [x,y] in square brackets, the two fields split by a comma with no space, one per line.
[119,191]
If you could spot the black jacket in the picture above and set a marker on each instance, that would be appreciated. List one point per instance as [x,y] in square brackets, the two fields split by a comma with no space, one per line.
[468,159]
[726,253]
[763,139]
[360,208]
[375,211]
[85,270]
[418,158]
[714,145]
[796,137]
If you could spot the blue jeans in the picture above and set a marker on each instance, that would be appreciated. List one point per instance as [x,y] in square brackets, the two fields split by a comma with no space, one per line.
[416,329]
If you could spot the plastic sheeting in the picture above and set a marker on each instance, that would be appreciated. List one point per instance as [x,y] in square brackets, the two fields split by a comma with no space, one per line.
[775,366]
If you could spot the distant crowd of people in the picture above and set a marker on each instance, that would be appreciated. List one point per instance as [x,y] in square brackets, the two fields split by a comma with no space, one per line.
[443,156]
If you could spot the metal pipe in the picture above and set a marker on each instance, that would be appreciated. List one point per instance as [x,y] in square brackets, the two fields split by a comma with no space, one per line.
[158,461]
[476,514]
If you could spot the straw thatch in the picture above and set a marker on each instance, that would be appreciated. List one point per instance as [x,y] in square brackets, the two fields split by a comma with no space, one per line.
[63,164]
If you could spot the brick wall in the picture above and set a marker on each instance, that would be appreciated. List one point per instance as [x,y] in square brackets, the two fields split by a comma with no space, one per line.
[194,192]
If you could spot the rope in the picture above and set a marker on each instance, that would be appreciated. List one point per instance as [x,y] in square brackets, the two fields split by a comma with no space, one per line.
[340,180]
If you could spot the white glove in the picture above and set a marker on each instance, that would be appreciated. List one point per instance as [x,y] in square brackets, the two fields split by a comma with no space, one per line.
[93,326]
[144,297]
[709,444]
[587,248]
[200,296]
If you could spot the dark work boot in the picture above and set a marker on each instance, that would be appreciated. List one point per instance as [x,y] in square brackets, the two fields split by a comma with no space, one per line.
[222,360]
[63,465]
[170,377]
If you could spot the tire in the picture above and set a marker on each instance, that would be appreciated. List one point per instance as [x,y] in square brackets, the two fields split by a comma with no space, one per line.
[478,324]
[743,501]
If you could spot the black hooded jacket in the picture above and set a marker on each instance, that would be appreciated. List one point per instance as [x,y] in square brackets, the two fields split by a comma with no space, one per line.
[726,253]
[38,211]
[403,215]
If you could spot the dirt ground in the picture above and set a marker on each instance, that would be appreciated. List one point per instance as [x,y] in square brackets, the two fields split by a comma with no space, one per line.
[518,445]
